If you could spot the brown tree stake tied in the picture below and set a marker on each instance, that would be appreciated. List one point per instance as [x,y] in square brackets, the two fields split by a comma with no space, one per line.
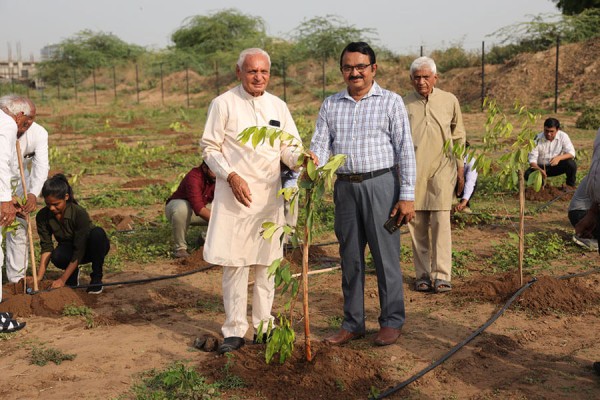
[305,247]
[521,224]
[29,233]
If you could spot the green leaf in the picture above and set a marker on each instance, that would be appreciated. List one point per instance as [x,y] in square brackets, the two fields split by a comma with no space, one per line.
[311,169]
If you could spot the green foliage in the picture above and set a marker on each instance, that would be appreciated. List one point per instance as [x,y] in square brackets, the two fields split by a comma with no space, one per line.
[325,37]
[541,32]
[177,382]
[220,35]
[281,340]
[455,56]
[540,248]
[83,52]
[460,259]
[572,7]
[142,245]
[230,380]
[589,118]
[41,356]
[72,310]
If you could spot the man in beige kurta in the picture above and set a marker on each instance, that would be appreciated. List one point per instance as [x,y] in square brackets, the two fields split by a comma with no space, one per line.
[435,118]
[245,193]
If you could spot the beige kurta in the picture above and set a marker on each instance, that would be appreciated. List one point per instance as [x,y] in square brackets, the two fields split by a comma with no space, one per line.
[233,237]
[433,121]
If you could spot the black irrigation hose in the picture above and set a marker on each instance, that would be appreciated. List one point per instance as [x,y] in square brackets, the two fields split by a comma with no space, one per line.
[579,274]
[136,281]
[543,206]
[457,347]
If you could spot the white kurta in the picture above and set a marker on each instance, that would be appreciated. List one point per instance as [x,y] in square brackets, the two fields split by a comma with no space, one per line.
[34,150]
[233,237]
[8,138]
[34,153]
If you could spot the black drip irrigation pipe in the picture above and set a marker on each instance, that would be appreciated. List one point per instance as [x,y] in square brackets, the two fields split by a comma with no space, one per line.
[457,347]
[546,205]
[135,281]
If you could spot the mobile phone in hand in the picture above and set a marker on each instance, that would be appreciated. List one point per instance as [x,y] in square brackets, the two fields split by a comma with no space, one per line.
[390,224]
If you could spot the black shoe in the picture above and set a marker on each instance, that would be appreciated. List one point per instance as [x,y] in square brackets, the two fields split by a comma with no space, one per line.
[230,344]
[263,340]
[73,280]
[200,241]
[95,286]
[596,367]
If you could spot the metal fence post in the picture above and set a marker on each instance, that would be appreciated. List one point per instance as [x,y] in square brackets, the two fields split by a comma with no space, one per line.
[95,94]
[115,81]
[187,85]
[482,74]
[137,83]
[284,81]
[162,88]
[75,84]
[556,75]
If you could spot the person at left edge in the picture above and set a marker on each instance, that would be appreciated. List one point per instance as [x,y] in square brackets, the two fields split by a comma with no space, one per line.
[34,153]
[78,240]
[248,180]
[16,116]
[370,126]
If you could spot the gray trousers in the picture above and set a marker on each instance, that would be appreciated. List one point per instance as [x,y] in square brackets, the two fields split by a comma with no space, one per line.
[361,209]
[180,214]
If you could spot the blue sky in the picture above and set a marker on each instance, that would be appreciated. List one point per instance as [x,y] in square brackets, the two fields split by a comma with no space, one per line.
[402,26]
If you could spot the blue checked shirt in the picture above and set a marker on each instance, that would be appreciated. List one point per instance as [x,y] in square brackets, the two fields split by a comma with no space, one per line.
[373,133]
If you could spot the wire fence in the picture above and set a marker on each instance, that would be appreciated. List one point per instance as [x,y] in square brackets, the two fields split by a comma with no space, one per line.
[152,83]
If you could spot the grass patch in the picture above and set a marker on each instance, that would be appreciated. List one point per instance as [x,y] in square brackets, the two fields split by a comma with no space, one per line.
[178,381]
[540,248]
[41,356]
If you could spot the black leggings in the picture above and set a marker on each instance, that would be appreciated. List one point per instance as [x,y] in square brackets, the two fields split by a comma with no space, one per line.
[96,249]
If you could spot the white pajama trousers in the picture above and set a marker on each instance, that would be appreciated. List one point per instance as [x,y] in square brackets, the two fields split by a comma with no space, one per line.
[235,299]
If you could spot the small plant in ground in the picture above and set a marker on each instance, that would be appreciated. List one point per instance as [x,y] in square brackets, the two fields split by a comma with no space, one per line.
[230,380]
[460,258]
[72,310]
[540,248]
[41,356]
[176,382]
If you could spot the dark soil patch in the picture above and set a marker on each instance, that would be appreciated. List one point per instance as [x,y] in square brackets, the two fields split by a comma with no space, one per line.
[155,164]
[547,295]
[334,373]
[141,183]
[548,193]
[105,146]
[44,303]
[119,222]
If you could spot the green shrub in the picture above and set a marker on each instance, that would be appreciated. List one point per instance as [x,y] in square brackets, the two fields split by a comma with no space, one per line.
[589,118]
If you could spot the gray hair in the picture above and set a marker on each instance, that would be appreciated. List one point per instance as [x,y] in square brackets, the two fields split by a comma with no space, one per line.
[250,52]
[423,62]
[13,104]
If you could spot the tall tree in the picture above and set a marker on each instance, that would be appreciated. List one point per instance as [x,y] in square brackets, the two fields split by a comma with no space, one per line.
[325,37]
[223,31]
[573,7]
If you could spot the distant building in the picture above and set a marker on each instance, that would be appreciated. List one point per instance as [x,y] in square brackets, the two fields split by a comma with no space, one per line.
[49,52]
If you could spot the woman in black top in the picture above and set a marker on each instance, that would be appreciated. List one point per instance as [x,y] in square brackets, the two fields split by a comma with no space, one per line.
[78,240]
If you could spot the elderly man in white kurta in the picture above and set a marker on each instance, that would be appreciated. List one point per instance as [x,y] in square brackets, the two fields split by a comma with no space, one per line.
[245,193]
[16,116]
[34,153]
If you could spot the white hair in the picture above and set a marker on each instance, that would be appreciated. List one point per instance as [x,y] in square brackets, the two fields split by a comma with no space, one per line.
[13,104]
[423,62]
[250,52]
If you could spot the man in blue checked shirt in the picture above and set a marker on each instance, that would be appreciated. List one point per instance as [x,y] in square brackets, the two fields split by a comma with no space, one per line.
[370,126]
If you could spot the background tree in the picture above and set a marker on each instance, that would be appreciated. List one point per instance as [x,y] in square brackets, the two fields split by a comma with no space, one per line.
[83,52]
[573,7]
[220,36]
[323,38]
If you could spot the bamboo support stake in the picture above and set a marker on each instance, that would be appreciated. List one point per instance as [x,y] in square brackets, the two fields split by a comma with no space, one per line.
[521,224]
[305,247]
[313,272]
[27,219]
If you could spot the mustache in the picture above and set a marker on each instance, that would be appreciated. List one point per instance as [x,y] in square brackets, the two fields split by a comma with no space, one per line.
[355,77]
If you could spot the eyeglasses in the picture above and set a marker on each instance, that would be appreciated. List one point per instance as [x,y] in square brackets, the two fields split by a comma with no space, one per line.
[360,68]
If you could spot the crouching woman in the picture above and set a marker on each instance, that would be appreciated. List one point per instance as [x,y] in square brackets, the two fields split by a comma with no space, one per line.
[78,240]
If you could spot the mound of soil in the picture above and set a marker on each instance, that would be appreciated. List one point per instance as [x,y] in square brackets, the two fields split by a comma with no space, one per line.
[548,193]
[44,303]
[545,296]
[333,373]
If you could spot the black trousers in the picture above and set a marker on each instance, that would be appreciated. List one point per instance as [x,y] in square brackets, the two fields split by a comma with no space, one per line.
[568,167]
[96,249]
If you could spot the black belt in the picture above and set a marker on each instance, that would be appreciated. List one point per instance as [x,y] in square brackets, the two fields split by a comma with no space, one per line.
[357,178]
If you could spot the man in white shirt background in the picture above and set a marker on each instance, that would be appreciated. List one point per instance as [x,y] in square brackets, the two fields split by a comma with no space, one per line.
[553,154]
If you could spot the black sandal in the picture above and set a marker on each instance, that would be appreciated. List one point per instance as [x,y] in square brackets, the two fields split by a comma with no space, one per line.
[423,285]
[11,325]
[5,316]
